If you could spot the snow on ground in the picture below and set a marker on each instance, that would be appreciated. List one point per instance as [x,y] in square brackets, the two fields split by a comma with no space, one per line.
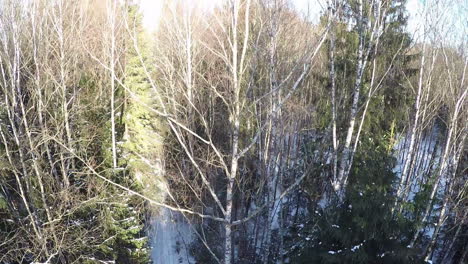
[171,238]
[427,153]
[426,158]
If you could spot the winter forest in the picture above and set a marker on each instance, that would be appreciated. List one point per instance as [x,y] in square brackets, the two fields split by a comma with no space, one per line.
[233,132]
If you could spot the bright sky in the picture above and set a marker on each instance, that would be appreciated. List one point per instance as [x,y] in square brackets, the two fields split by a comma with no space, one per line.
[152,10]
[415,9]
[449,17]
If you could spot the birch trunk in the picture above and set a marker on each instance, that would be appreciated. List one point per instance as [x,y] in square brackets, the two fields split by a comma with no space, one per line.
[339,185]
[369,96]
[31,217]
[112,24]
[235,116]
[271,159]
[445,160]
[414,128]
[376,30]
[333,8]
[443,214]
[455,236]
[10,65]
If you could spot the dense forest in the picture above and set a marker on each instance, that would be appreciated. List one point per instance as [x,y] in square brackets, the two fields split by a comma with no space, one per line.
[246,130]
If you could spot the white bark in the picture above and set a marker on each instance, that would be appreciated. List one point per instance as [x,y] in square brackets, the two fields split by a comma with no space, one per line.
[452,166]
[340,184]
[111,16]
[333,9]
[236,62]
[235,122]
[10,66]
[414,127]
[442,171]
[272,155]
[449,252]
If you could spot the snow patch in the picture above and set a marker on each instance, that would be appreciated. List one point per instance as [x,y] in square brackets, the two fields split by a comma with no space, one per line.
[171,238]
[353,249]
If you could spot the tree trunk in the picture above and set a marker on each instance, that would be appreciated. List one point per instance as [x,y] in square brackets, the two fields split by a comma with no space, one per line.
[339,185]
[445,160]
[333,92]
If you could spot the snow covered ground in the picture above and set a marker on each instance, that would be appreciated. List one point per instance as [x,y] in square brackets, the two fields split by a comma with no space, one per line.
[426,158]
[171,238]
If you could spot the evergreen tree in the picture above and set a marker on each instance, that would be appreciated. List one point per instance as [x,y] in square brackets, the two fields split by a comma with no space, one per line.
[143,131]
[140,149]
[363,228]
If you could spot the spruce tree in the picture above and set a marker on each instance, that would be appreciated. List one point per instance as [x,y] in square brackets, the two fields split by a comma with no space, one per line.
[363,227]
[139,145]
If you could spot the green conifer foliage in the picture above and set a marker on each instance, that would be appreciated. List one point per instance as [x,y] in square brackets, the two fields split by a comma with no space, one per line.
[363,228]
[127,241]
[140,151]
[143,131]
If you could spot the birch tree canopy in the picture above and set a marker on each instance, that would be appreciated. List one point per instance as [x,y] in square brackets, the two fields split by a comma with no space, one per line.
[233,131]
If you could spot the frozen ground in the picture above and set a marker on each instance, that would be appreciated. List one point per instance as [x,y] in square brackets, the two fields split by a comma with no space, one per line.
[171,239]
